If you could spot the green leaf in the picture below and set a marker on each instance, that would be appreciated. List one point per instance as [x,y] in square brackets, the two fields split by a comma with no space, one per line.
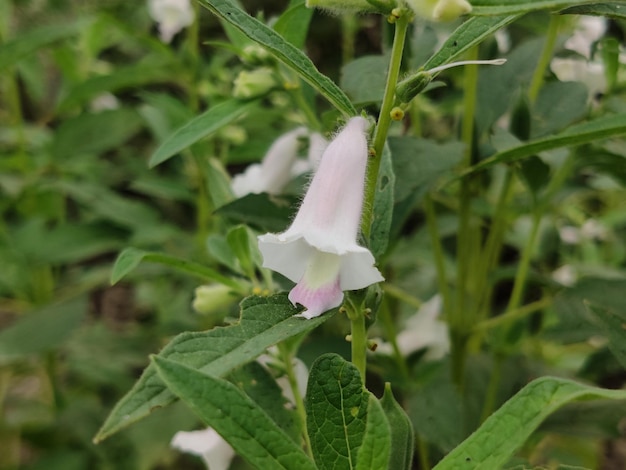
[336,404]
[375,449]
[94,133]
[466,36]
[257,382]
[609,9]
[244,246]
[498,7]
[238,419]
[383,205]
[30,41]
[364,78]
[218,183]
[130,76]
[613,326]
[559,104]
[42,330]
[200,127]
[263,211]
[293,24]
[264,322]
[495,442]
[284,51]
[130,258]
[600,128]
[402,435]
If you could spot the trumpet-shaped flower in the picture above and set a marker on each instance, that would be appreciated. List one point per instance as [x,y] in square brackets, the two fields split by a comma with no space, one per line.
[423,330]
[319,250]
[172,16]
[274,171]
[206,443]
[440,10]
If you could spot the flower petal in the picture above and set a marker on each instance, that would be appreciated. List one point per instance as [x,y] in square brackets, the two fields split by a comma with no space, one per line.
[319,289]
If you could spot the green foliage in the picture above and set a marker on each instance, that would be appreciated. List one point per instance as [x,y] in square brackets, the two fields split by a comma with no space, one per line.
[493,444]
[284,51]
[200,127]
[227,409]
[264,322]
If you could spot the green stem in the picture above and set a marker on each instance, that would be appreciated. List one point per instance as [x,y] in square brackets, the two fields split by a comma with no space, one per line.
[304,106]
[390,332]
[402,295]
[513,315]
[384,121]
[358,339]
[287,359]
[349,26]
[492,388]
[435,239]
[465,235]
[524,266]
[493,244]
[544,59]
[422,451]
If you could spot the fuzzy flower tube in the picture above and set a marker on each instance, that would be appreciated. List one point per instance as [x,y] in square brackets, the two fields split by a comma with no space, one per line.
[319,251]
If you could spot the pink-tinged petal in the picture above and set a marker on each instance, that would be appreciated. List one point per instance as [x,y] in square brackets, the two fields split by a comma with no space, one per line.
[319,289]
[334,199]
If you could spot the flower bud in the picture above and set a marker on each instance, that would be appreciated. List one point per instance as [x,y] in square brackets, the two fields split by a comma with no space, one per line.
[440,10]
[212,298]
[254,83]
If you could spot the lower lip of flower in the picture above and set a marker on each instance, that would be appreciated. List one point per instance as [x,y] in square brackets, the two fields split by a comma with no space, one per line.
[319,289]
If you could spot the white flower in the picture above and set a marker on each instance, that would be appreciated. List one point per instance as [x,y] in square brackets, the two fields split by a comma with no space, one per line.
[588,30]
[565,275]
[317,145]
[172,16]
[576,70]
[440,10]
[104,102]
[569,235]
[273,362]
[319,250]
[274,171]
[423,331]
[208,444]
[593,230]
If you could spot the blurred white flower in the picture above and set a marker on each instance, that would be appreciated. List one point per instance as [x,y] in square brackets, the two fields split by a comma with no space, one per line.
[273,362]
[319,251]
[171,15]
[440,10]
[274,171]
[589,29]
[503,40]
[104,102]
[590,230]
[317,145]
[208,444]
[253,83]
[423,330]
[578,70]
[565,275]
[569,235]
[593,230]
